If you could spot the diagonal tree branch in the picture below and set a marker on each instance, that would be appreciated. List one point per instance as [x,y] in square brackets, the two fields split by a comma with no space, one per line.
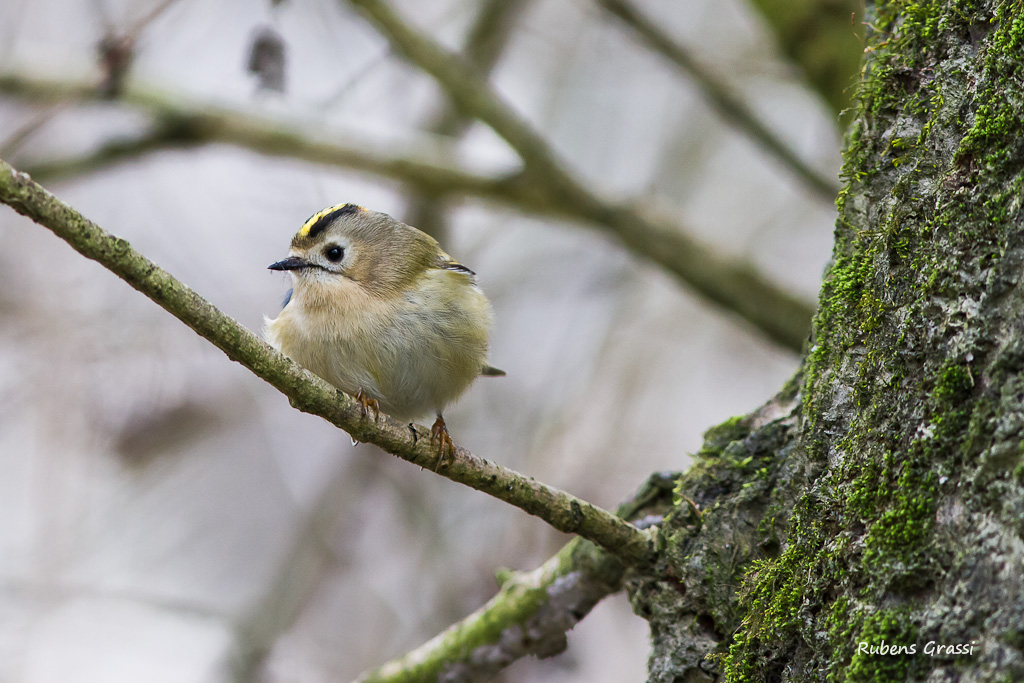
[178,128]
[727,103]
[310,394]
[472,95]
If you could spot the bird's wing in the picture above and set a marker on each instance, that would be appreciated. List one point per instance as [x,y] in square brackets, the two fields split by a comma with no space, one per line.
[446,262]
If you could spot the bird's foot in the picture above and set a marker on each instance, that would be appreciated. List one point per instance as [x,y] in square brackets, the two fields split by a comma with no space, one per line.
[439,435]
[367,403]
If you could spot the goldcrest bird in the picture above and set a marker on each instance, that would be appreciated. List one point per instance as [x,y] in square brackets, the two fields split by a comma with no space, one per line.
[380,311]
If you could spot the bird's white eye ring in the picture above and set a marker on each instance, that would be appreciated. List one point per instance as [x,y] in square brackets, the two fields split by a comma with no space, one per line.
[334,253]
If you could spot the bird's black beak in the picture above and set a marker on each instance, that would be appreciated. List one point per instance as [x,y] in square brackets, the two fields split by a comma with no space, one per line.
[290,263]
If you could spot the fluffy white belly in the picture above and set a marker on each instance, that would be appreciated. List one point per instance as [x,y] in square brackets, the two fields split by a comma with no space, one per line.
[411,354]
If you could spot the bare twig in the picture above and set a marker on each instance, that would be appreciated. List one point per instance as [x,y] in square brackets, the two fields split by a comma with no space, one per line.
[309,393]
[720,97]
[148,17]
[341,91]
[470,93]
[13,142]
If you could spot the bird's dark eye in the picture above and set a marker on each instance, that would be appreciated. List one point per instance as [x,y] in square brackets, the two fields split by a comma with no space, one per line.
[334,253]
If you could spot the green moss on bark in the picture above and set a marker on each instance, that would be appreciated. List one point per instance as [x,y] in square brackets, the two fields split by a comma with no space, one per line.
[901,403]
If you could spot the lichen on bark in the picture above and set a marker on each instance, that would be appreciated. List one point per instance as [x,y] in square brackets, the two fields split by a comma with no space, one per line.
[880,498]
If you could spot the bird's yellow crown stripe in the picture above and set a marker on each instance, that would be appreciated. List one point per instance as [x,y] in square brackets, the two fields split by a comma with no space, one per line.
[304,230]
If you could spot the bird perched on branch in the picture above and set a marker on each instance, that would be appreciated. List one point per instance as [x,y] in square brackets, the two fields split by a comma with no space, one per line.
[380,311]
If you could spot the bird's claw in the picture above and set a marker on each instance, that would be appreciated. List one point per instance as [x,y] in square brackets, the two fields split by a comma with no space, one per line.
[439,435]
[367,403]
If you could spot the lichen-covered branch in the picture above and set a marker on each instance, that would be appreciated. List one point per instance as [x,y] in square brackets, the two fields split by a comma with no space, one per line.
[533,610]
[733,284]
[309,393]
[728,104]
[529,615]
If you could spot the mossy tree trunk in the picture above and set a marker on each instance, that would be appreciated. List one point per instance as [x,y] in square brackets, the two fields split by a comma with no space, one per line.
[879,499]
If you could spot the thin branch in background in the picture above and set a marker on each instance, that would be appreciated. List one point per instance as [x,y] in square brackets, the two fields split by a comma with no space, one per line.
[783,317]
[117,48]
[366,69]
[733,284]
[146,19]
[342,90]
[269,138]
[309,393]
[380,58]
[486,40]
[824,39]
[20,135]
[113,152]
[492,32]
[293,588]
[469,92]
[115,56]
[729,105]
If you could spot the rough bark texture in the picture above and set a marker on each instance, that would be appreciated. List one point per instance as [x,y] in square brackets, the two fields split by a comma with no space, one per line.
[879,498]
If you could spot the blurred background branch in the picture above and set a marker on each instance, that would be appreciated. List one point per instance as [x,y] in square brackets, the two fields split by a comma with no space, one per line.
[543,186]
[736,287]
[824,39]
[721,97]
[495,24]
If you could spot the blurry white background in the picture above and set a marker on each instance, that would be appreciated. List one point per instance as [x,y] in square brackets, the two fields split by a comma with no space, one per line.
[165,516]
